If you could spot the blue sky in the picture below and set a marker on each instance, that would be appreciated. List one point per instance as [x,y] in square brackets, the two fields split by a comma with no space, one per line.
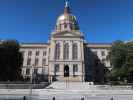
[34,20]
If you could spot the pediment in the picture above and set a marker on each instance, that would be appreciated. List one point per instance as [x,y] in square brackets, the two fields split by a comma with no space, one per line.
[67,34]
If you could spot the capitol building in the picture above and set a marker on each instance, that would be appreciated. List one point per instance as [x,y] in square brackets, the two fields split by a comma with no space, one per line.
[66,54]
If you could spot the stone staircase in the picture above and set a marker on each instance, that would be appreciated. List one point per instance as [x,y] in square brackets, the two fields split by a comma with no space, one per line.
[85,86]
[79,90]
[72,85]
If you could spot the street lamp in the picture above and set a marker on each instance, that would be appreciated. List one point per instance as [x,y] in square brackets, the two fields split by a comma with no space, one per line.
[31,82]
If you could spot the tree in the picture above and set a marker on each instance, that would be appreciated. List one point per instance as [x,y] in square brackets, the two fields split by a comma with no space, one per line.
[10,61]
[121,56]
[118,54]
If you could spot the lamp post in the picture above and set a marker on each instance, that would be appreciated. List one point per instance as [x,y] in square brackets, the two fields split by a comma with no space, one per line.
[31,82]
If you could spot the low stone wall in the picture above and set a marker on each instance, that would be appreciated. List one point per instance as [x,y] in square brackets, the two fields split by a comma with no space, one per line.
[114,87]
[24,86]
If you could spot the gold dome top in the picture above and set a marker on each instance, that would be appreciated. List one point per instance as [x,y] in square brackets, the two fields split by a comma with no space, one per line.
[64,17]
[66,21]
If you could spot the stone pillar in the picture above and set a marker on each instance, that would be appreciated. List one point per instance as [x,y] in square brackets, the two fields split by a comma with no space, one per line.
[61,50]
[52,50]
[70,50]
[79,50]
[71,69]
[62,69]
[82,59]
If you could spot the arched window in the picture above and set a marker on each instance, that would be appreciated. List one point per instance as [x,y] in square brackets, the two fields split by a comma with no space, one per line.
[66,51]
[57,51]
[75,51]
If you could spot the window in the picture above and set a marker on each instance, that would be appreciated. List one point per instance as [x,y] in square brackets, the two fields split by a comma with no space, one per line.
[23,52]
[75,51]
[71,26]
[75,69]
[56,69]
[65,25]
[57,51]
[43,62]
[96,62]
[37,53]
[29,53]
[27,71]
[35,71]
[97,72]
[95,52]
[59,26]
[29,61]
[43,70]
[104,61]
[103,53]
[44,53]
[66,51]
[36,61]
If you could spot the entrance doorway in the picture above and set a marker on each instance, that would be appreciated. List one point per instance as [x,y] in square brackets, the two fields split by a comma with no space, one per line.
[66,71]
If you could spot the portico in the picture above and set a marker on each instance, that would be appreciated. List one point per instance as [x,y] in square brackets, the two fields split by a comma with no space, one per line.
[66,49]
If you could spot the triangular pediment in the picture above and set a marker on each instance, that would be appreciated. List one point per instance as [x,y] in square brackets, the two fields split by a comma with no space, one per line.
[67,34]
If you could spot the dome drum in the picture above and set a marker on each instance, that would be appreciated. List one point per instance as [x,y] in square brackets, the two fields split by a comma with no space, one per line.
[66,21]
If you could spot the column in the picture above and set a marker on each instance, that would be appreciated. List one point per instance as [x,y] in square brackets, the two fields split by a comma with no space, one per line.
[82,59]
[70,69]
[52,49]
[70,50]
[62,50]
[62,69]
[79,50]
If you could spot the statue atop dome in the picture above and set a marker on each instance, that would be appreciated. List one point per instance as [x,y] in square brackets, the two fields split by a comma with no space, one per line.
[67,8]
[66,4]
[66,21]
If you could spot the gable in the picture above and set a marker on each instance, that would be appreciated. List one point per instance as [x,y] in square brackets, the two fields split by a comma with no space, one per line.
[67,34]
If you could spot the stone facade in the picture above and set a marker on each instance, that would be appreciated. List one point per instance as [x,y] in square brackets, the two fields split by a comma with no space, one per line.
[66,56]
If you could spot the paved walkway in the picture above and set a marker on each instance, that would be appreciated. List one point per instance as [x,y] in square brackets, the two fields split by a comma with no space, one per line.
[67,94]
[75,91]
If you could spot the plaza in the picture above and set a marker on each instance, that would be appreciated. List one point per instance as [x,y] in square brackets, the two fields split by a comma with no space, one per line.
[94,93]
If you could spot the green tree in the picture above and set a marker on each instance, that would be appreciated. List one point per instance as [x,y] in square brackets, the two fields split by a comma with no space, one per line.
[129,63]
[10,61]
[118,54]
[121,56]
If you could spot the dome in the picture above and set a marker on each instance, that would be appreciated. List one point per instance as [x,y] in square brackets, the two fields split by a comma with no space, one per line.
[63,17]
[66,21]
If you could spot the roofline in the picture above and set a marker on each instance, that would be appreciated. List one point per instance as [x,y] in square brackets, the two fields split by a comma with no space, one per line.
[33,43]
[98,43]
[41,43]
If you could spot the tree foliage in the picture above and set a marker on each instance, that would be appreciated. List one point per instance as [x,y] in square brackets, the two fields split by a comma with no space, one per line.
[10,61]
[121,56]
